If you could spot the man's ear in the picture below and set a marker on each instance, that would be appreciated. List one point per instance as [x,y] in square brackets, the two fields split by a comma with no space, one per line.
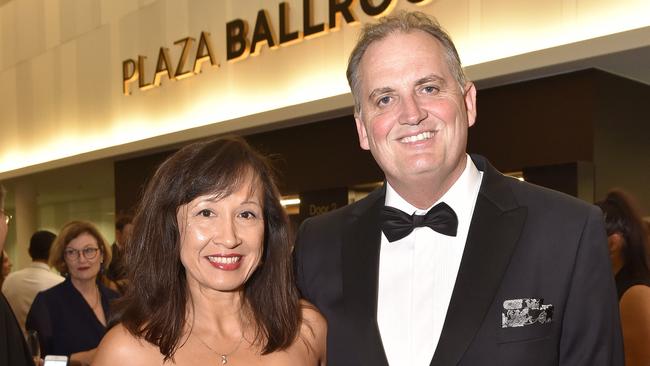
[361,131]
[470,103]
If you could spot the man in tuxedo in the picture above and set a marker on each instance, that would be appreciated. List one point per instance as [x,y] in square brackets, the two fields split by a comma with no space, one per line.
[450,262]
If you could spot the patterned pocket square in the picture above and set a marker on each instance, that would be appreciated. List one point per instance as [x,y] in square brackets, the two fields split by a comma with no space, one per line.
[523,312]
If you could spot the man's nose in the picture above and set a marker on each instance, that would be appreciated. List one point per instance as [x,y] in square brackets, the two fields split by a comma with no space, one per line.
[411,111]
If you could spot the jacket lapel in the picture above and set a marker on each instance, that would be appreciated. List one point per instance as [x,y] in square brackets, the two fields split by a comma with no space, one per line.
[360,262]
[494,231]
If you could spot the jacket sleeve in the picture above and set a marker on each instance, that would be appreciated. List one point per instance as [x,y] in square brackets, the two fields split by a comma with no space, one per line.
[38,319]
[591,331]
[299,260]
[13,349]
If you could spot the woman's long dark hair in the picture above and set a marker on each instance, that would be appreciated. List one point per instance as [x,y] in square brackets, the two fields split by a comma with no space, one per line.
[156,303]
[621,216]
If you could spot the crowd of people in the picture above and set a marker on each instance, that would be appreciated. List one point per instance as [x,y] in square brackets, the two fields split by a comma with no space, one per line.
[448,263]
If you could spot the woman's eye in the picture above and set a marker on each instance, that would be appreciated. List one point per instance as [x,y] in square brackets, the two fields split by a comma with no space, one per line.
[248,215]
[205,213]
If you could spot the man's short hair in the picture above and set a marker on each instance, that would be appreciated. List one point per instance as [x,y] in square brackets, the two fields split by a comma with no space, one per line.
[404,22]
[40,243]
[122,221]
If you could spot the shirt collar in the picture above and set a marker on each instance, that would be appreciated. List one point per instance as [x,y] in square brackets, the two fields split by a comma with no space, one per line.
[40,265]
[459,197]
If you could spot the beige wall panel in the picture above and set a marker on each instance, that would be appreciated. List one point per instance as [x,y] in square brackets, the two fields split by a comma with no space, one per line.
[68,89]
[609,15]
[46,116]
[52,23]
[143,3]
[7,35]
[93,83]
[79,17]
[30,29]
[67,98]
[25,107]
[176,18]
[454,16]
[112,11]
[9,113]
[512,27]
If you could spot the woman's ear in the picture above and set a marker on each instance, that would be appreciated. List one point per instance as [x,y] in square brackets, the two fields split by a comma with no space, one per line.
[616,242]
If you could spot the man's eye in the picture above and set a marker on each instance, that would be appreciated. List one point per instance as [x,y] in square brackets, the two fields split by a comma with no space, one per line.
[383,101]
[430,89]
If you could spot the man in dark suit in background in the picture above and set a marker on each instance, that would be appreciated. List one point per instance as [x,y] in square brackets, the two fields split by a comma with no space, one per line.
[13,349]
[117,269]
[450,262]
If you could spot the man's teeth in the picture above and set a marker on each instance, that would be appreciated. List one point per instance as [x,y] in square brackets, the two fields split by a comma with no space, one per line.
[419,137]
[224,260]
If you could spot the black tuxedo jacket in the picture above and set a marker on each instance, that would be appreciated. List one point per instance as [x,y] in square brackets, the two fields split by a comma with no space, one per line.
[524,242]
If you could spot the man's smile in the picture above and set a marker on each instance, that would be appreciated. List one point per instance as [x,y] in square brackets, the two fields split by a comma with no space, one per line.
[418,137]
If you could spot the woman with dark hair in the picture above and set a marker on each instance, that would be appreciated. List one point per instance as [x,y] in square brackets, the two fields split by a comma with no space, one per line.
[210,268]
[71,317]
[628,242]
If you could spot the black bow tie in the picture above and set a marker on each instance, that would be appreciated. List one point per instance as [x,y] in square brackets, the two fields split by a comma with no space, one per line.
[396,224]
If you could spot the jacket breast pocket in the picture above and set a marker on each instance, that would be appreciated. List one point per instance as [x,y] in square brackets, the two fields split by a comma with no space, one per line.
[529,345]
[526,333]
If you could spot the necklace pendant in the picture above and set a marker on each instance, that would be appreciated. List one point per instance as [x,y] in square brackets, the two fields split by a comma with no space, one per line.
[224,359]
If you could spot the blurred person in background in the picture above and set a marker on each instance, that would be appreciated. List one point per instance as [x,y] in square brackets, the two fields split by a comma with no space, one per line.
[628,240]
[6,266]
[20,288]
[117,270]
[71,317]
[13,349]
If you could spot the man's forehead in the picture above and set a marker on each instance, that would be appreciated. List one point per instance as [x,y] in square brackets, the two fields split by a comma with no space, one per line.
[414,52]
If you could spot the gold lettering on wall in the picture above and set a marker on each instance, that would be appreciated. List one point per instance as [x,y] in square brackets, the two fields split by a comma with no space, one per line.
[187,44]
[204,53]
[239,44]
[163,66]
[129,75]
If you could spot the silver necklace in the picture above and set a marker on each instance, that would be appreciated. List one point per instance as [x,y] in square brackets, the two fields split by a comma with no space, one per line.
[224,356]
[96,302]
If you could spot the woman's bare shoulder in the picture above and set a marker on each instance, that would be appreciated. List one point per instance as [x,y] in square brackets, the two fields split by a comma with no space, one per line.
[636,298]
[313,329]
[119,346]
[312,317]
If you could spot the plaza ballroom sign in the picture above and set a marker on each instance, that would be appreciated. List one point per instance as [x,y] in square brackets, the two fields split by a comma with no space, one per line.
[240,43]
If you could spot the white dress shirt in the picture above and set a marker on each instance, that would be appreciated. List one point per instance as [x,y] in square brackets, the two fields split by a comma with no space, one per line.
[20,288]
[417,275]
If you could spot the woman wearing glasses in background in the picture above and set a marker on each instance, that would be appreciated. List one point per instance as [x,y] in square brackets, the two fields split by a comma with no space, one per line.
[70,318]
